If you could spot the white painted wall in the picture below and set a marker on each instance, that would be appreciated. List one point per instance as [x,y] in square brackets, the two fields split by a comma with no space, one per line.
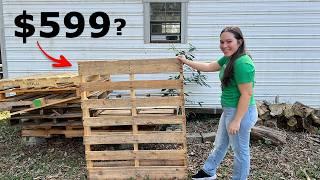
[283,37]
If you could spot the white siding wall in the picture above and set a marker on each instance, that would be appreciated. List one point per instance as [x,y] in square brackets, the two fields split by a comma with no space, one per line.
[282,36]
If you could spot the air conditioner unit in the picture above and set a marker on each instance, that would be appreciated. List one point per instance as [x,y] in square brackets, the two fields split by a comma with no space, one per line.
[172,37]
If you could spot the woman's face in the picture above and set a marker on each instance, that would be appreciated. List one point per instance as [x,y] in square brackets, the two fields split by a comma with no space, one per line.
[228,44]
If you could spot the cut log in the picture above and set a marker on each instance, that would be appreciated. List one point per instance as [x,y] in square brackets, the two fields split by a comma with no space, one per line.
[307,124]
[262,107]
[316,119]
[292,121]
[272,123]
[287,112]
[266,116]
[259,122]
[301,110]
[276,137]
[277,109]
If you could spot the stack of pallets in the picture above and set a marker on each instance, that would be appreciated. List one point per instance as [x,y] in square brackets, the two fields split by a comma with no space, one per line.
[44,105]
[128,135]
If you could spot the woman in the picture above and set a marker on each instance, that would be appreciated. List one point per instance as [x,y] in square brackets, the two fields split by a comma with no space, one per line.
[237,73]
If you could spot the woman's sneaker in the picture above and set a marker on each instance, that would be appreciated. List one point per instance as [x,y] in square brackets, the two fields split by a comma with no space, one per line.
[201,175]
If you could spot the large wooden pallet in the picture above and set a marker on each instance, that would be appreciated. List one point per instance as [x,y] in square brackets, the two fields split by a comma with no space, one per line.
[126,137]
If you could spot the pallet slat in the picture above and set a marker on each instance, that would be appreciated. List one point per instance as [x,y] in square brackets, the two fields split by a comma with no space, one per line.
[142,154]
[140,172]
[41,80]
[138,102]
[129,138]
[142,162]
[146,66]
[137,84]
[50,132]
[129,120]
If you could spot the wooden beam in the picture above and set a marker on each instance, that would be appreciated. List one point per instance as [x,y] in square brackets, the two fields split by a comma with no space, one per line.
[139,102]
[142,154]
[136,84]
[128,120]
[49,132]
[146,66]
[159,172]
[49,104]
[129,138]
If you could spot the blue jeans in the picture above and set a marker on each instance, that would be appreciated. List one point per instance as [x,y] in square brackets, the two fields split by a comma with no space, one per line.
[239,143]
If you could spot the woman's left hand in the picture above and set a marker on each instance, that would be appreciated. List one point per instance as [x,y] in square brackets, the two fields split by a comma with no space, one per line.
[234,127]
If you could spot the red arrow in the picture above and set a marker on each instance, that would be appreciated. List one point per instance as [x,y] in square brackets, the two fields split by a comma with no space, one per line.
[62,62]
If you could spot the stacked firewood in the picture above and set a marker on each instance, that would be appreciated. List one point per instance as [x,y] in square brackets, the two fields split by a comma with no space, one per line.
[294,117]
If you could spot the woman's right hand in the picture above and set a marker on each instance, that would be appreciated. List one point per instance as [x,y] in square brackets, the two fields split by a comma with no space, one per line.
[182,59]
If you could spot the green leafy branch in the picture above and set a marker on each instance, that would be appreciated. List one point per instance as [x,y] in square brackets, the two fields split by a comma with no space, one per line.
[196,76]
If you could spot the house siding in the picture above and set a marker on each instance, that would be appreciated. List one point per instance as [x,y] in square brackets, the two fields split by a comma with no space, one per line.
[282,37]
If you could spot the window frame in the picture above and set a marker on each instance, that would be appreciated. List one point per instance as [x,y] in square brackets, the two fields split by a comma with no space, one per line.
[147,24]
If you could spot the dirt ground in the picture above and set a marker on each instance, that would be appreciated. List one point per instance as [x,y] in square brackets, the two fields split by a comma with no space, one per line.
[297,159]
[60,158]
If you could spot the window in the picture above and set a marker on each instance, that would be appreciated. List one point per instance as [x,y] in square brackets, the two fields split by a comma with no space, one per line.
[165,22]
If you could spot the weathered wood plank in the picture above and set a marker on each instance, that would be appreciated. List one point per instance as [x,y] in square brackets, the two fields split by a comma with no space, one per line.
[86,113]
[141,154]
[146,66]
[4,105]
[129,120]
[46,105]
[41,80]
[171,172]
[157,111]
[49,132]
[139,102]
[136,84]
[129,138]
[62,116]
[134,113]
[48,125]
[149,162]
[39,91]
[160,110]
[107,121]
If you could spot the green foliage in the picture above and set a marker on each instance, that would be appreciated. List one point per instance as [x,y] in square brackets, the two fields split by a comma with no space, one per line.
[196,76]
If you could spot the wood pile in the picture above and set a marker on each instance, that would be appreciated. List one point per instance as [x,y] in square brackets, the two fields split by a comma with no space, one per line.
[44,104]
[293,117]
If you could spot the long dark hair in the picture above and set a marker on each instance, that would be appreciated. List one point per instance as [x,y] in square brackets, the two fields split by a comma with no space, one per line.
[228,72]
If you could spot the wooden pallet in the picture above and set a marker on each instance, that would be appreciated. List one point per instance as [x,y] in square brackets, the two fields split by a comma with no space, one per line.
[131,123]
[47,104]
